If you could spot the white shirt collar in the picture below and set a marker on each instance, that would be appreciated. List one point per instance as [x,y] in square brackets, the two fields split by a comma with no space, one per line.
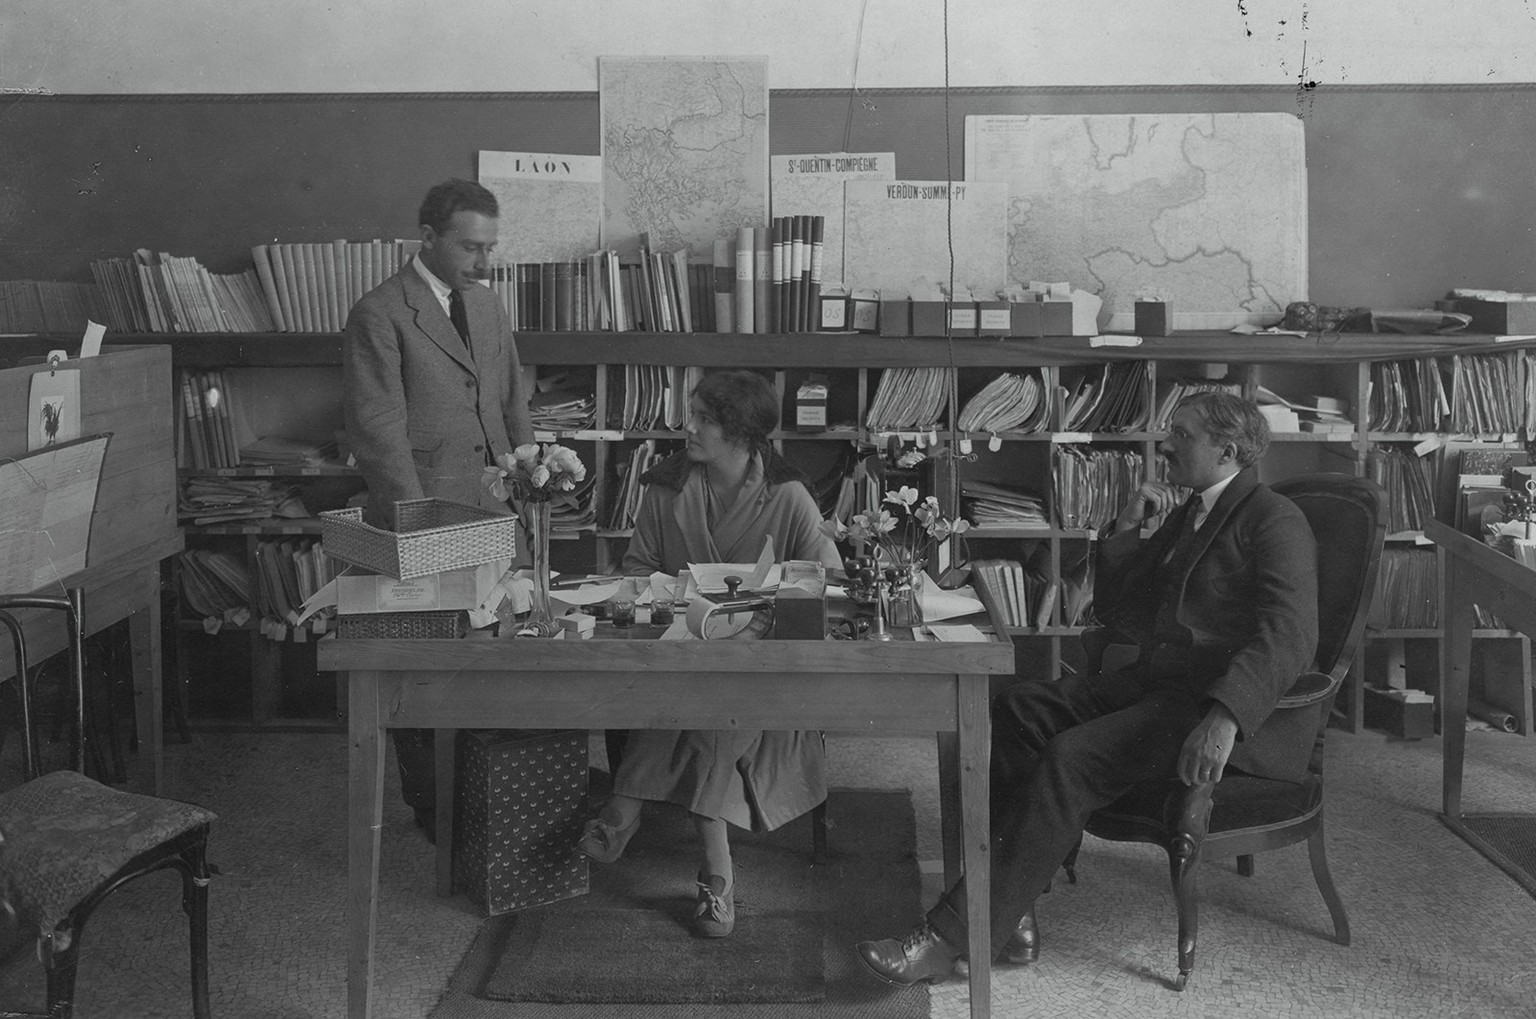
[1209,496]
[440,290]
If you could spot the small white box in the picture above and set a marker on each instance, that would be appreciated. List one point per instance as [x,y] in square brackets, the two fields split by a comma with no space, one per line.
[578,627]
[448,590]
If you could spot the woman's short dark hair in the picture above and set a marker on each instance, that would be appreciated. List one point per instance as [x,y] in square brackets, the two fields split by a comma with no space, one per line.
[1231,418]
[744,404]
[455,195]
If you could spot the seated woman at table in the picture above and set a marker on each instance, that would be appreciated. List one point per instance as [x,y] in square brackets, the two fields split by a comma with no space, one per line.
[714,503]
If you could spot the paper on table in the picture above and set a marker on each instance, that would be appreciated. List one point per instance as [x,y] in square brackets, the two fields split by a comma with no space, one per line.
[940,604]
[962,633]
[755,577]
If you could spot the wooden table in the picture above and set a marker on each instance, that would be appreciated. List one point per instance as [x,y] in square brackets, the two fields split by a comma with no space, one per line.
[846,686]
[1474,573]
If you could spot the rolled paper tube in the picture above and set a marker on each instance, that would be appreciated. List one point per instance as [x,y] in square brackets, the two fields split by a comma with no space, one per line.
[1497,717]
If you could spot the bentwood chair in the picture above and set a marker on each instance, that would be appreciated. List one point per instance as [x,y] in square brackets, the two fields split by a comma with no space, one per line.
[1243,814]
[67,841]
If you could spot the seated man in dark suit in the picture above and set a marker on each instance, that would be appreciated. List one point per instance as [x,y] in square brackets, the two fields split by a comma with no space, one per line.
[1222,603]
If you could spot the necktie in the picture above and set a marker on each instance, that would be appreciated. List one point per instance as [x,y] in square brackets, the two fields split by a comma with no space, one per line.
[457,314]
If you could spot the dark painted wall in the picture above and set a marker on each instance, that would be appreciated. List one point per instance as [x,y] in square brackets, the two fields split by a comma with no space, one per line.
[1412,190]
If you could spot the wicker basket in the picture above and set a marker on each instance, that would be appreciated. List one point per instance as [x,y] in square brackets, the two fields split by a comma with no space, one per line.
[432,535]
[403,625]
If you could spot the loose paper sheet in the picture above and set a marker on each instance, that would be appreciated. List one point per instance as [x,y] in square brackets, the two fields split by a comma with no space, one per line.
[47,499]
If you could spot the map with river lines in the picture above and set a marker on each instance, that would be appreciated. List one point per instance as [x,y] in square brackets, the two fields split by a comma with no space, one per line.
[684,148]
[1205,211]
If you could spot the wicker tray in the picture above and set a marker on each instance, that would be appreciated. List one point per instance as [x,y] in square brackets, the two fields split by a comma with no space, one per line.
[432,535]
[403,625]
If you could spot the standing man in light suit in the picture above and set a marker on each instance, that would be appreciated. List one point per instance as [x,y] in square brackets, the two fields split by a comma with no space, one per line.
[432,392]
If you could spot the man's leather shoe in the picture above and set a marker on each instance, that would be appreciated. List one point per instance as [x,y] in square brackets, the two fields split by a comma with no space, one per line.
[923,955]
[1023,945]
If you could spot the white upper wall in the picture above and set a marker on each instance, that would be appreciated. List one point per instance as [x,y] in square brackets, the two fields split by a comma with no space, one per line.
[151,46]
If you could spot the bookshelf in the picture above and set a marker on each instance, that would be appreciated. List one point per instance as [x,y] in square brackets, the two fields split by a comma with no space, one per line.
[1336,365]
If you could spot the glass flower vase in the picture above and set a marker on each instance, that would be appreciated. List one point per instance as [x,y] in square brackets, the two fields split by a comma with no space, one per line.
[904,607]
[541,616]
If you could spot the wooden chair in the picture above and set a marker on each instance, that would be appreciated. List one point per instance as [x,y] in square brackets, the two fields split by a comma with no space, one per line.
[67,841]
[1243,815]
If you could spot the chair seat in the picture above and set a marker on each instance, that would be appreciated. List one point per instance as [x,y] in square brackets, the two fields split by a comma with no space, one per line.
[66,834]
[1238,801]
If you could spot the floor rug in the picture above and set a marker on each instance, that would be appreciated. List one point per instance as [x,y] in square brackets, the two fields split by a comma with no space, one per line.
[868,886]
[770,957]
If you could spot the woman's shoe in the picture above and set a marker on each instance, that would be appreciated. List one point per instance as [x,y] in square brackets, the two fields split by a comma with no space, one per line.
[604,842]
[715,914]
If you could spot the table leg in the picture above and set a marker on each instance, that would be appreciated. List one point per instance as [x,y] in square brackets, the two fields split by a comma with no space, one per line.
[1455,673]
[443,747]
[975,739]
[365,811]
[148,692]
[949,807]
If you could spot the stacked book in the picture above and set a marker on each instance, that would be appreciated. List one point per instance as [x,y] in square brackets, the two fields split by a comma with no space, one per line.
[989,505]
[205,500]
[155,292]
[1009,403]
[1092,485]
[573,512]
[909,398]
[44,306]
[286,451]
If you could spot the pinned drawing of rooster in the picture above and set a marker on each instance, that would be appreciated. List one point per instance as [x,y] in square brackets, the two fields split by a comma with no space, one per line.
[53,413]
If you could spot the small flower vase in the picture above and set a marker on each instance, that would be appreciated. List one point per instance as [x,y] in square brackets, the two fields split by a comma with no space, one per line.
[904,608]
[541,617]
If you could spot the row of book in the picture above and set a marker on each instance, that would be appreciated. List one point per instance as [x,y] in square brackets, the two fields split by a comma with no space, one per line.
[1407,396]
[311,287]
[770,280]
[908,398]
[1409,481]
[206,437]
[1492,394]
[655,396]
[155,292]
[1091,485]
[1025,596]
[651,292]
[1407,590]
[290,571]
[46,306]
[1010,403]
[624,505]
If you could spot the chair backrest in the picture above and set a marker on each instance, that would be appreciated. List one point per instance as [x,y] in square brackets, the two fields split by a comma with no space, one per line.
[1348,516]
[70,605]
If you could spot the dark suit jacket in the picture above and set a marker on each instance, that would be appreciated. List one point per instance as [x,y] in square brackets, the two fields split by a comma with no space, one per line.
[420,412]
[1245,616]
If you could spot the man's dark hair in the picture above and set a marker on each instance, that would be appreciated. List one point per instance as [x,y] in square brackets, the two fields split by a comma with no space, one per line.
[743,402]
[455,195]
[1231,418]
